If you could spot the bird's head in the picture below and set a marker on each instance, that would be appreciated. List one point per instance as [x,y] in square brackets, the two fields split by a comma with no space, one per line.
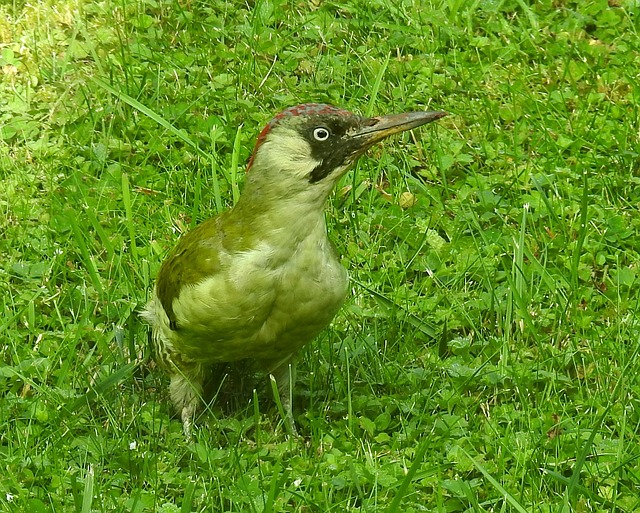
[311,146]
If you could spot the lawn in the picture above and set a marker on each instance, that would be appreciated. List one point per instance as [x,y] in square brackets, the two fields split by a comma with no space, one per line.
[487,357]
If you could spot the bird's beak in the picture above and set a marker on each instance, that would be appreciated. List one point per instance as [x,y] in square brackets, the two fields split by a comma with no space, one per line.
[378,128]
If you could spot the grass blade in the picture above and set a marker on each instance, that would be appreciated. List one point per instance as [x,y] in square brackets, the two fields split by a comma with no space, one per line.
[187,500]
[582,232]
[235,157]
[87,496]
[508,497]
[87,259]
[126,199]
[376,86]
[406,481]
[582,490]
[180,134]
[101,387]
[412,319]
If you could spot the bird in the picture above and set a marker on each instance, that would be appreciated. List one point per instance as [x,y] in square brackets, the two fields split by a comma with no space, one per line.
[261,280]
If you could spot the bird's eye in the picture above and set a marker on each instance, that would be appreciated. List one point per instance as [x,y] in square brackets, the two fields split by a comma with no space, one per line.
[321,134]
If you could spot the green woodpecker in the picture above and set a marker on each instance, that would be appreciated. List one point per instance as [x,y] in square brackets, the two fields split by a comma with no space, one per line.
[262,279]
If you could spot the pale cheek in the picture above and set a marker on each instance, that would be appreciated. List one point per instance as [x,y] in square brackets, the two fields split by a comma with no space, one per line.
[291,154]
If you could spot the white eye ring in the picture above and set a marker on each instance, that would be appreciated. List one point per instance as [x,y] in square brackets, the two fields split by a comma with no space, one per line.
[321,133]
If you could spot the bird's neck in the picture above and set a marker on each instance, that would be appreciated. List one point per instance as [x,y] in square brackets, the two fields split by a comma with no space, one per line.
[281,219]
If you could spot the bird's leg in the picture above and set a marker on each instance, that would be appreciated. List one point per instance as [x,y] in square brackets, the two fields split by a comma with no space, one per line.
[284,374]
[186,392]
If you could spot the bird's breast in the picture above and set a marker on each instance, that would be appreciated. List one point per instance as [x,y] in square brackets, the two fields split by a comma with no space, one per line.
[267,301]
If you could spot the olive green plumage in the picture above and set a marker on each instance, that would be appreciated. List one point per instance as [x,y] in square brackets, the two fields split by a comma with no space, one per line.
[262,280]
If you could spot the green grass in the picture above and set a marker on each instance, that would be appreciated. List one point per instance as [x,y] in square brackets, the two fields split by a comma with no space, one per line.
[487,359]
